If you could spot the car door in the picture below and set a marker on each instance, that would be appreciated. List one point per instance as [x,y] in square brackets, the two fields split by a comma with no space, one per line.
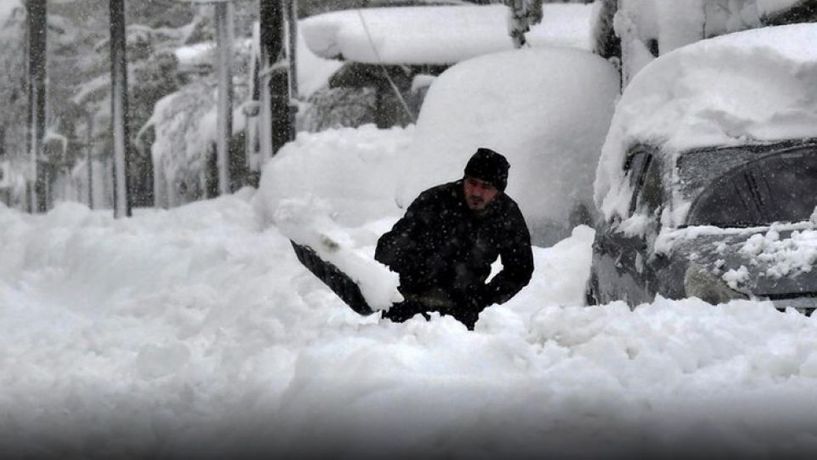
[623,247]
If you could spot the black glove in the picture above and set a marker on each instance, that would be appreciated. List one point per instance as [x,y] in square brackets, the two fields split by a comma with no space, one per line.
[476,300]
[403,311]
[479,297]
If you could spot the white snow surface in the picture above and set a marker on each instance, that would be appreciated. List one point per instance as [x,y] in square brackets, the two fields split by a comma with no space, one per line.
[438,34]
[673,24]
[194,331]
[785,257]
[546,109]
[747,87]
[7,7]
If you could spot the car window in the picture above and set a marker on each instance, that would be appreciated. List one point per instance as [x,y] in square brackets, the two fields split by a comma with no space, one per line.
[650,194]
[776,188]
[634,166]
[644,176]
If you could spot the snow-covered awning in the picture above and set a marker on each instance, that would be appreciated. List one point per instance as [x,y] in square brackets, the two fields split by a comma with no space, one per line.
[438,34]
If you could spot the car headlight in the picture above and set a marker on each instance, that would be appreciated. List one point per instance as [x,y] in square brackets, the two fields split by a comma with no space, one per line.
[705,285]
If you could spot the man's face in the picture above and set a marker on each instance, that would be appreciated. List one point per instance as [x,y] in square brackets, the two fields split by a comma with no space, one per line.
[478,193]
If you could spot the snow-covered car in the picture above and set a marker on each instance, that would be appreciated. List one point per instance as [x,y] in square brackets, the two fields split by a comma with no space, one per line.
[707,178]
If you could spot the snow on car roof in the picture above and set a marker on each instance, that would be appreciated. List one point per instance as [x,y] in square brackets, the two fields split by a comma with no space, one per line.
[754,86]
[437,34]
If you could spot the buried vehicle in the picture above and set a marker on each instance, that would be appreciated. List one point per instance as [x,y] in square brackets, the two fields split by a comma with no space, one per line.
[706,180]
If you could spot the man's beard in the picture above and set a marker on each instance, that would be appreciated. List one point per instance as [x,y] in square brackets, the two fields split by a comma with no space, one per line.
[476,203]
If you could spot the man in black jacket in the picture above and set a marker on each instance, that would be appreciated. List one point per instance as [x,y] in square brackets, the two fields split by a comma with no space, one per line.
[445,244]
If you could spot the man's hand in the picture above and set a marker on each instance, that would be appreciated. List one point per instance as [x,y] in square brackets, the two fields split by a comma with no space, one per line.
[479,298]
[469,309]
[405,310]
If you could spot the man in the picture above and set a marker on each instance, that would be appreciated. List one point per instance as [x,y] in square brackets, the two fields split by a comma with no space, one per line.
[444,246]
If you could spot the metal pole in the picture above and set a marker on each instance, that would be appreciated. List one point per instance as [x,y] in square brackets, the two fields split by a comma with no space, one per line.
[89,149]
[37,32]
[292,50]
[266,36]
[274,117]
[224,38]
[119,111]
[292,58]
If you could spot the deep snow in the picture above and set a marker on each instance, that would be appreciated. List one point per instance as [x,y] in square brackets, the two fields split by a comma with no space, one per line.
[195,330]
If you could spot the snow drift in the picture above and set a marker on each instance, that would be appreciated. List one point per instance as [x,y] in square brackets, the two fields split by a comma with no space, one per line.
[194,332]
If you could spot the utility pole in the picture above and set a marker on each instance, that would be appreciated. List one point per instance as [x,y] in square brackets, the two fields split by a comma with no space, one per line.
[119,112]
[4,170]
[292,59]
[274,118]
[89,151]
[37,32]
[224,40]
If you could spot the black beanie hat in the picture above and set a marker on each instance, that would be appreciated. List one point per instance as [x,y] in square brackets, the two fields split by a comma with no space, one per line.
[489,166]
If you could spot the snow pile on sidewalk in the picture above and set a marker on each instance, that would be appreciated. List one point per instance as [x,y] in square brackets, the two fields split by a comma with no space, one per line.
[195,331]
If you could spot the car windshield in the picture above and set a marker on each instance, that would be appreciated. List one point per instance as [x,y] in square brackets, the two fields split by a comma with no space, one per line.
[752,187]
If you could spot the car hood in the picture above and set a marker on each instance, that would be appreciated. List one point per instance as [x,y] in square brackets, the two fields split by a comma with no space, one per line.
[766,262]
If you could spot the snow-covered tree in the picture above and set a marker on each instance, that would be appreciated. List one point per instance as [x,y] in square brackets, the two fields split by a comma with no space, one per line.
[13,97]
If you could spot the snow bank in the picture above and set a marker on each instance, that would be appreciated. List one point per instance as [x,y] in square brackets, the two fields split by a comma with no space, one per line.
[547,110]
[352,169]
[194,332]
[437,34]
[747,87]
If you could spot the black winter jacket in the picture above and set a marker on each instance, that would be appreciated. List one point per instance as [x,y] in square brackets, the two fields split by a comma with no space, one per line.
[442,245]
